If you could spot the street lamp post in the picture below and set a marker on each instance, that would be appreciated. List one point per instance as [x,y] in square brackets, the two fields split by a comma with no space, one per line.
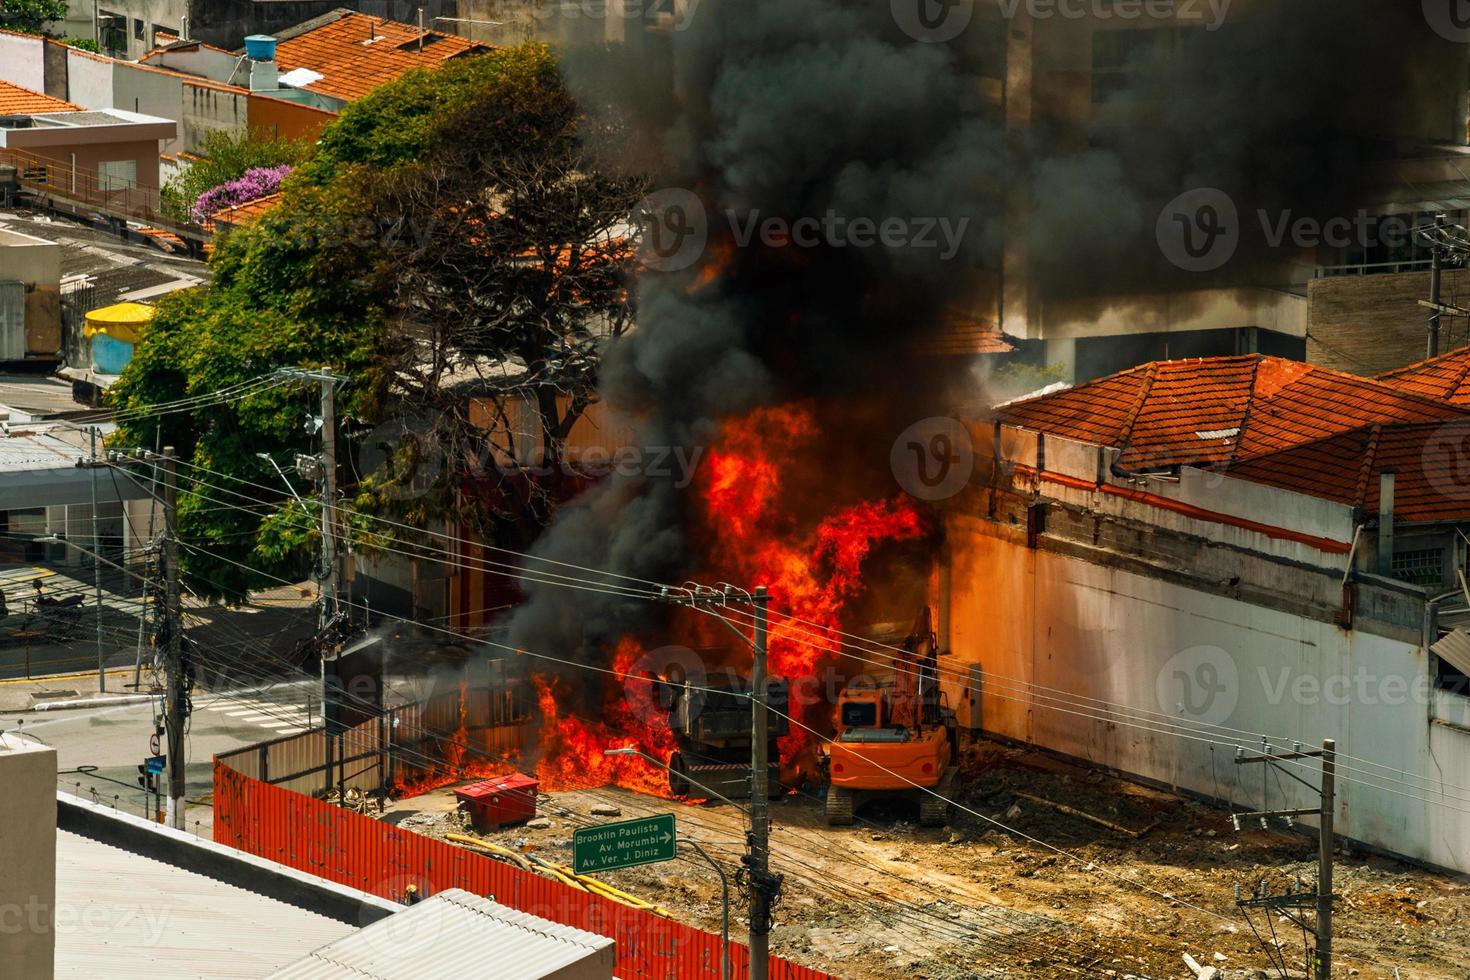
[724,881]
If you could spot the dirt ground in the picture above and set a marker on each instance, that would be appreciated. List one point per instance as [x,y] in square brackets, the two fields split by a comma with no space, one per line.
[887,899]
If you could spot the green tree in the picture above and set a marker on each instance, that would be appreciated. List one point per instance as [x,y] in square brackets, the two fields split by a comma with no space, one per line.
[448,221]
[224,156]
[31,16]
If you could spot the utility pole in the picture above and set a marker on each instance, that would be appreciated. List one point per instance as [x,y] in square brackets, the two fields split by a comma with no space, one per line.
[1436,264]
[175,698]
[765,887]
[1290,905]
[759,857]
[97,567]
[329,496]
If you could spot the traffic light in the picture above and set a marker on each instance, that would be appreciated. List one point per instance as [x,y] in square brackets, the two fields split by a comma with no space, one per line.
[149,771]
[147,778]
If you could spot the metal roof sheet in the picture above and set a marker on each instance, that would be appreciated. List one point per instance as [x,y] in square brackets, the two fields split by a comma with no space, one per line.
[454,934]
[134,917]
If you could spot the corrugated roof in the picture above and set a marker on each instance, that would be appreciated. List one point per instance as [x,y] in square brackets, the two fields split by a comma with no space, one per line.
[1216,411]
[17,101]
[1446,377]
[145,919]
[453,934]
[355,53]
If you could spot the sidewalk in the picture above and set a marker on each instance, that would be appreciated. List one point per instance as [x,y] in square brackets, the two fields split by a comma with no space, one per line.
[23,695]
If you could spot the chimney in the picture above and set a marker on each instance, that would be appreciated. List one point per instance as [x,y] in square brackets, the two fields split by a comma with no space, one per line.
[1385,523]
[184,28]
[421,30]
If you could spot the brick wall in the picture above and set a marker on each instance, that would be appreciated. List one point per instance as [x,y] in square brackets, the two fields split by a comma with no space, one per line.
[1371,324]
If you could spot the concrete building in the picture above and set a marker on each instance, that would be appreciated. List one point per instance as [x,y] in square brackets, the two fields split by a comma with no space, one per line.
[1048,74]
[28,854]
[132,28]
[30,297]
[1162,565]
[191,84]
[82,153]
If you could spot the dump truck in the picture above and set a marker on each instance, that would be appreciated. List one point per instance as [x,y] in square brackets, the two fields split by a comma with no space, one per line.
[895,736]
[712,728]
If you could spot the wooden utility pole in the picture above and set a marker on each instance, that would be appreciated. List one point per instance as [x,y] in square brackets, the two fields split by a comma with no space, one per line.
[1292,904]
[176,698]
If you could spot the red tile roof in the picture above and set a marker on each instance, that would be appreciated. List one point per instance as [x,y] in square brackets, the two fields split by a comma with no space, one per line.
[1213,412]
[352,67]
[18,101]
[960,333]
[239,215]
[1431,480]
[1446,377]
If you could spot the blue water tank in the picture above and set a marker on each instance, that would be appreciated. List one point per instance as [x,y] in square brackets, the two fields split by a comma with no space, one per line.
[260,47]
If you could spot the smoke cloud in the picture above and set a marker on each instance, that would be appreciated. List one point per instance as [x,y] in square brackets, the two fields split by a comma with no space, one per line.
[802,108]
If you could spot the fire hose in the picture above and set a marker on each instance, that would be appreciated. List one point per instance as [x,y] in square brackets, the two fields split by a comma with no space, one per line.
[562,873]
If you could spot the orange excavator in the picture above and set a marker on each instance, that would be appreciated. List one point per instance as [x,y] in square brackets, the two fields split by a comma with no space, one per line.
[896,737]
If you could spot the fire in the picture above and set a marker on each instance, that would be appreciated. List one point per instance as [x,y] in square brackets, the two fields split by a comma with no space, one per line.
[572,748]
[812,572]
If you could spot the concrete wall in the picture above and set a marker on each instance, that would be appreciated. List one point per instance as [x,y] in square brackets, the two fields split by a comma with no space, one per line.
[23,61]
[280,119]
[89,81]
[206,109]
[37,263]
[28,857]
[151,93]
[1193,673]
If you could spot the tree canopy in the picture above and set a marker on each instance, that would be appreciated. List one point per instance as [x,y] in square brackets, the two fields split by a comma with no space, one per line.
[448,221]
[31,16]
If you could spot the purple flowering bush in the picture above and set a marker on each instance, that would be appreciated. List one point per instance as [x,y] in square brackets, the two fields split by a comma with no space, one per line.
[254,183]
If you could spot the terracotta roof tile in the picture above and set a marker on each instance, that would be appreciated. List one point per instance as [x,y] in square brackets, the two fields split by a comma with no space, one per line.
[1430,481]
[18,101]
[960,333]
[239,215]
[351,67]
[1215,412]
[1446,377]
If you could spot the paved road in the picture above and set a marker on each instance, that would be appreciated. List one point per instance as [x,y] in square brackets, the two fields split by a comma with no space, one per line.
[115,740]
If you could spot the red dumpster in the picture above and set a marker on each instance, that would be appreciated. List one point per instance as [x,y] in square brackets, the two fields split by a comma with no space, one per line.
[495,802]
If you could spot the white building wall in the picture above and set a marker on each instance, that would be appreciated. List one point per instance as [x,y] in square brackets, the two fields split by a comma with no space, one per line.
[1186,666]
[23,61]
[89,81]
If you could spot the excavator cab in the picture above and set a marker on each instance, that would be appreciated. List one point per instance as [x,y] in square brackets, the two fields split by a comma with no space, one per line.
[896,738]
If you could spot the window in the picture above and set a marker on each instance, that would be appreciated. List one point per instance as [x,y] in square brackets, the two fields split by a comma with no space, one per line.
[1423,566]
[1136,58]
[117,175]
[137,29]
[112,32]
[1448,677]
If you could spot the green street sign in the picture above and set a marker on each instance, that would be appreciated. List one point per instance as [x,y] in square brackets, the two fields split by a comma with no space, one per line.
[626,844]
